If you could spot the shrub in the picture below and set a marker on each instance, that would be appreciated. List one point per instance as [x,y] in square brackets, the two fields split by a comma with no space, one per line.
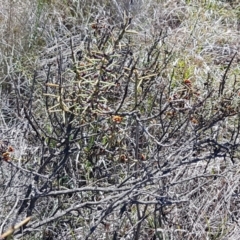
[120,135]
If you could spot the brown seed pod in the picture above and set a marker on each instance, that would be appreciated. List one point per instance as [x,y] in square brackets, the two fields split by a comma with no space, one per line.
[117,119]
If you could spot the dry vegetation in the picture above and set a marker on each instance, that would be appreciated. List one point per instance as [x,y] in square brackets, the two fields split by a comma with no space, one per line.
[120,119]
